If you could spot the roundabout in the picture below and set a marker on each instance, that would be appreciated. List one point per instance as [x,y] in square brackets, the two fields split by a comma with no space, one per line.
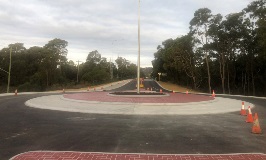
[93,122]
[157,104]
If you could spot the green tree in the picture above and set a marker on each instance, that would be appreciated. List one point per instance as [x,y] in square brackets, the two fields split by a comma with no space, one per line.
[96,69]
[55,57]
[199,27]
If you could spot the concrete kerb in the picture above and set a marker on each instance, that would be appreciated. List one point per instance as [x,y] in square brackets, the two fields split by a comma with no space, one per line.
[141,154]
[56,102]
[138,96]
[144,104]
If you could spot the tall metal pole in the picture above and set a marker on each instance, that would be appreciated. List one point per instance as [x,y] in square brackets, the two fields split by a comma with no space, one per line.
[138,72]
[8,82]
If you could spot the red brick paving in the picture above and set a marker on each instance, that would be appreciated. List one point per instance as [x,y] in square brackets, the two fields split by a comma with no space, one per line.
[173,98]
[49,155]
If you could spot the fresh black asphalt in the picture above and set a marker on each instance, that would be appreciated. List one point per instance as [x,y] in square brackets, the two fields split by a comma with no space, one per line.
[28,129]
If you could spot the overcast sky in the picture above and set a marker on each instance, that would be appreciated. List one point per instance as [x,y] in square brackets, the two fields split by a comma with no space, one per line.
[109,26]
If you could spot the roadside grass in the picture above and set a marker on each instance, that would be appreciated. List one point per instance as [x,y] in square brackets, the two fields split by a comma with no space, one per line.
[175,87]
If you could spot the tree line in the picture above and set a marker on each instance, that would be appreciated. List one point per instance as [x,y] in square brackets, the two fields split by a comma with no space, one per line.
[226,54]
[47,67]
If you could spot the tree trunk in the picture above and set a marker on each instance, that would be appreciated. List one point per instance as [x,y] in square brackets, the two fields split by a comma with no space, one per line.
[242,82]
[223,61]
[194,81]
[252,78]
[253,83]
[209,76]
[228,82]
[222,73]
[248,86]
[47,79]
[245,84]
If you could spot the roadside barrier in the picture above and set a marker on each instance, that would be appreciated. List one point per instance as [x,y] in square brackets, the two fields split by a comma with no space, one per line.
[249,117]
[243,111]
[256,125]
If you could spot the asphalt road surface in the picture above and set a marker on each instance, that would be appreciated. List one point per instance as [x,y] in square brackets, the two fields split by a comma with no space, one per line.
[147,84]
[28,129]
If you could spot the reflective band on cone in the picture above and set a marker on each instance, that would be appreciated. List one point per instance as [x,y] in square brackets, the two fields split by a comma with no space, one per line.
[249,117]
[243,111]
[256,125]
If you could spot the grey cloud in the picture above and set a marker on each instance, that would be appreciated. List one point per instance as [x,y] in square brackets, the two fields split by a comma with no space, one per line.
[108,26]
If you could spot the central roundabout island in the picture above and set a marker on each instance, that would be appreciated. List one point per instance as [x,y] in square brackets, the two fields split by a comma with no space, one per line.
[127,101]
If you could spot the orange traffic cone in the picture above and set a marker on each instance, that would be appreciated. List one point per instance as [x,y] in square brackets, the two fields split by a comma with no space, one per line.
[16,92]
[249,117]
[213,94]
[173,92]
[187,92]
[161,91]
[256,125]
[243,111]
[148,89]
[94,89]
[63,90]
